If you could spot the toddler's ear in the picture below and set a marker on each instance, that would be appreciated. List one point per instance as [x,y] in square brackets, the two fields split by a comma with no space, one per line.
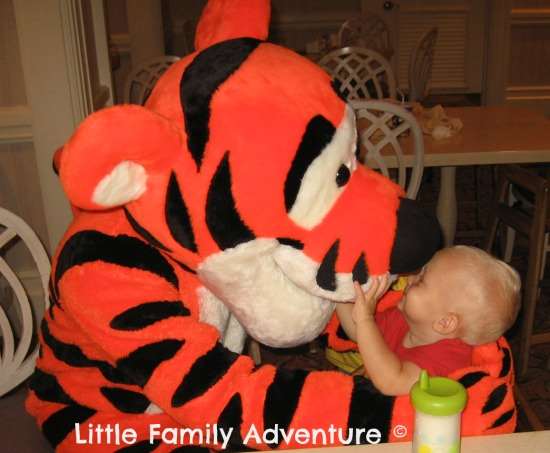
[447,325]
[109,158]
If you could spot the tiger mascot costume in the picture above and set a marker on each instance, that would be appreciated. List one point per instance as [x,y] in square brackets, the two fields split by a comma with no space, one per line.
[231,205]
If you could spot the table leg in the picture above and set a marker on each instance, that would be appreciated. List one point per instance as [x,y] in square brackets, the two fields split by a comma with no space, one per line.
[446,204]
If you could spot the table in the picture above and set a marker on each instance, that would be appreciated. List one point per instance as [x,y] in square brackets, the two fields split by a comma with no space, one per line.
[491,135]
[532,442]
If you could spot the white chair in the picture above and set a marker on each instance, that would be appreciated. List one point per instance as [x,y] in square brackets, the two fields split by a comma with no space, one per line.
[16,361]
[361,73]
[142,79]
[381,124]
[420,66]
[366,30]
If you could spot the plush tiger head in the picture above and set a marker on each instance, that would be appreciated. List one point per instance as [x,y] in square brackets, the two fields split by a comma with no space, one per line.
[242,167]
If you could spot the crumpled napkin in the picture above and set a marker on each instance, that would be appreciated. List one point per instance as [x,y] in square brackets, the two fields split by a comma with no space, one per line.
[436,123]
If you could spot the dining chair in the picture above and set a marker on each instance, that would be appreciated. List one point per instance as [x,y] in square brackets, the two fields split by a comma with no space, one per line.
[143,77]
[533,223]
[420,65]
[360,73]
[367,30]
[381,125]
[17,316]
[521,198]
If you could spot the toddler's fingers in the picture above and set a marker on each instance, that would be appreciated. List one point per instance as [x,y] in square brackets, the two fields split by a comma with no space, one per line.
[384,285]
[359,296]
[372,291]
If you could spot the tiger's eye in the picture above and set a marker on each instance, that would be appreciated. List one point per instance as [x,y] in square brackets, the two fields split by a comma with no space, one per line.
[343,175]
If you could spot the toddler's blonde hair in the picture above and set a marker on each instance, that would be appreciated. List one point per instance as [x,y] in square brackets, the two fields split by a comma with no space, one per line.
[493,295]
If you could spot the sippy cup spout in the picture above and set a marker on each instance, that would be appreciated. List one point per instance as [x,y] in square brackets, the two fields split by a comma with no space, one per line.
[424,380]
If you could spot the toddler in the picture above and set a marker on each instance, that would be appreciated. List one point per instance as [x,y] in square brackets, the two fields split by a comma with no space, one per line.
[462,297]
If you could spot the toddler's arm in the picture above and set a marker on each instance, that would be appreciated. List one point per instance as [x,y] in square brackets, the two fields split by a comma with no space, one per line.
[388,373]
[344,312]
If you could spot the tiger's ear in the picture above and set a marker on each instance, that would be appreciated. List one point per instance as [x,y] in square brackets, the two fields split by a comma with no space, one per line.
[222,20]
[110,157]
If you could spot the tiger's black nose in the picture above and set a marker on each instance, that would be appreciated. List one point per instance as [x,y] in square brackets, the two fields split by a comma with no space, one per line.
[417,238]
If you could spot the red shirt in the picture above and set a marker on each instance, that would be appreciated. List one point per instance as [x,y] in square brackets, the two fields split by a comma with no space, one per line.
[439,359]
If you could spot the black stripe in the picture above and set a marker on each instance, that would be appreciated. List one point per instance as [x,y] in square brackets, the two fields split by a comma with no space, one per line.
[341,333]
[183,266]
[68,353]
[503,418]
[299,245]
[471,379]
[223,220]
[52,292]
[139,229]
[205,372]
[359,272]
[282,397]
[177,216]
[50,308]
[322,341]
[126,400]
[60,424]
[73,356]
[495,399]
[506,362]
[232,417]
[141,447]
[54,301]
[210,69]
[141,363]
[317,136]
[326,274]
[370,408]
[88,246]
[47,388]
[144,315]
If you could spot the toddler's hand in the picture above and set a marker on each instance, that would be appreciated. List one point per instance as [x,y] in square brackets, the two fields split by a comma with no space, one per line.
[365,304]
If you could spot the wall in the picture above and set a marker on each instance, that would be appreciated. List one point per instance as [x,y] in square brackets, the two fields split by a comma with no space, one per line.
[180,21]
[293,23]
[19,186]
[529,54]
[119,39]
[136,34]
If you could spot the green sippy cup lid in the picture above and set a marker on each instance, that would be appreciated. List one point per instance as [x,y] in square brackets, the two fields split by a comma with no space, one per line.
[438,395]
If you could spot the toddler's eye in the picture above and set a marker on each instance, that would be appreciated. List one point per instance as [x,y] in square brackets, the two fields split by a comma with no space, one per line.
[343,175]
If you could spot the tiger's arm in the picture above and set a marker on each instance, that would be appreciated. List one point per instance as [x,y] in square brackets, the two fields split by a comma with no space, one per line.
[183,368]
